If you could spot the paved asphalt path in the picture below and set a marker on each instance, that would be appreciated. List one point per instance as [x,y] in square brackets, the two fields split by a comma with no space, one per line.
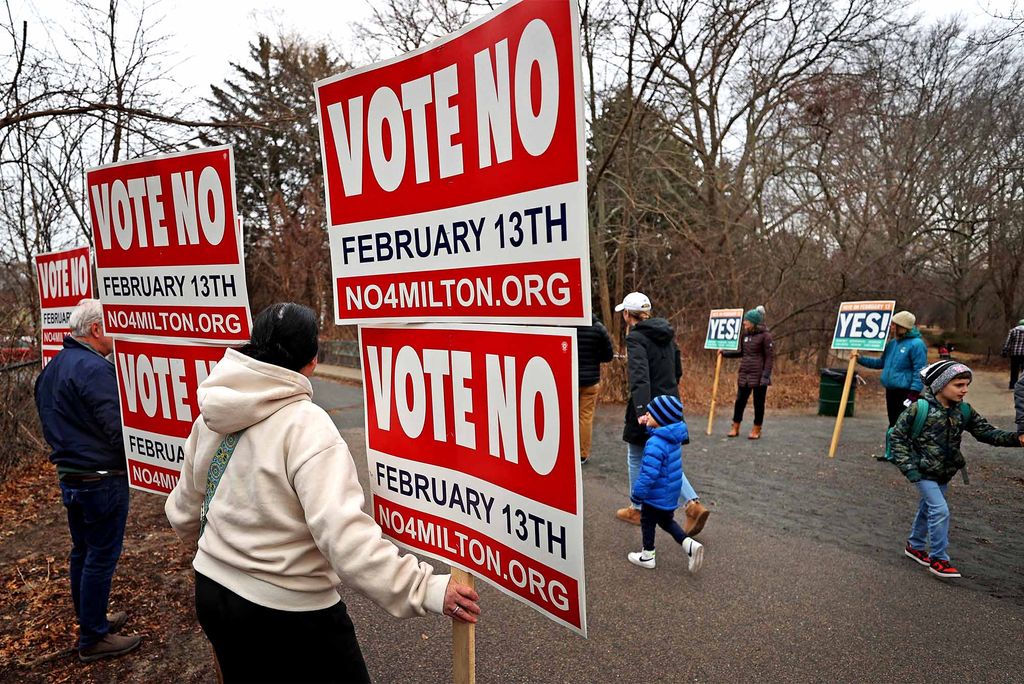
[804,579]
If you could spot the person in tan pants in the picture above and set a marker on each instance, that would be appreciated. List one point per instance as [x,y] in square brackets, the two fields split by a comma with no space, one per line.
[595,347]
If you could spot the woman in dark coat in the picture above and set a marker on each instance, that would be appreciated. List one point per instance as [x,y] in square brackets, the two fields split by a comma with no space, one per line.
[757,356]
[654,369]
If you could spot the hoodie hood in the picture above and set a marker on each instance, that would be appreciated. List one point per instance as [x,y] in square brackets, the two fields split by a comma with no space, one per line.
[242,391]
[676,433]
[657,330]
[910,334]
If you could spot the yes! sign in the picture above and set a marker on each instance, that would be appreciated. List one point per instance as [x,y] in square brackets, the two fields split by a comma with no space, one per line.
[724,328]
[455,180]
[168,247]
[863,326]
[472,447]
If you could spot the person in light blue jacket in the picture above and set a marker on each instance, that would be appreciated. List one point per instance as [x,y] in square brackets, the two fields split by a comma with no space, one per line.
[901,363]
[658,484]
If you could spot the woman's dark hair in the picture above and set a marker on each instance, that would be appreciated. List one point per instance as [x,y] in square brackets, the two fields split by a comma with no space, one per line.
[284,334]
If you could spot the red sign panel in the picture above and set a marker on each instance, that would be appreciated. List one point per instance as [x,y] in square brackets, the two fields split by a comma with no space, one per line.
[64,279]
[168,248]
[472,444]
[466,155]
[157,384]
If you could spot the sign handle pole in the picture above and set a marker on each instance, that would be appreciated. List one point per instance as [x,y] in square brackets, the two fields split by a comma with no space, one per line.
[463,640]
[714,391]
[842,404]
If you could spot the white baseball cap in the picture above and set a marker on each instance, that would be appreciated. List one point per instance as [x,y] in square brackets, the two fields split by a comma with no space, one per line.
[635,301]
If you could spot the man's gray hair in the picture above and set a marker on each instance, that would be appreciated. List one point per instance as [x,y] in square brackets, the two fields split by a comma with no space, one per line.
[87,312]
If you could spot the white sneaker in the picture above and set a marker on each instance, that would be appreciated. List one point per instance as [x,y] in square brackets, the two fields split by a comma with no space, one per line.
[645,559]
[694,553]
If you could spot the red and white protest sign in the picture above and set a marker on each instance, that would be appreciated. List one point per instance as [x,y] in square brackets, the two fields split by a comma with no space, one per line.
[455,179]
[168,250]
[157,384]
[473,452]
[64,278]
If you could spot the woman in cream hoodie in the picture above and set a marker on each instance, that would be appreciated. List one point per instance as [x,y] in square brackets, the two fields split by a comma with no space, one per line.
[286,524]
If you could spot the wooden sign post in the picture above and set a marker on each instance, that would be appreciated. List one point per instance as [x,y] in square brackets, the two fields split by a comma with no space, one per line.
[860,326]
[724,329]
[463,640]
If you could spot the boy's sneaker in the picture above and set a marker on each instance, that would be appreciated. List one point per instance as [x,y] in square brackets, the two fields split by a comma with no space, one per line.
[919,556]
[942,568]
[645,559]
[694,553]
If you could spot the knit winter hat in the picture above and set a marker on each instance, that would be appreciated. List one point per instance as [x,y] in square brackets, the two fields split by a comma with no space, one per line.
[666,409]
[939,374]
[1020,322]
[755,315]
[905,319]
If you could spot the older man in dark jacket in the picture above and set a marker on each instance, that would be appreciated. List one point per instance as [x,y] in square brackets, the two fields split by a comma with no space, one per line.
[76,395]
[595,348]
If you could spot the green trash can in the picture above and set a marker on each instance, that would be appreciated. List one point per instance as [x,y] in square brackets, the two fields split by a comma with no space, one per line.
[830,392]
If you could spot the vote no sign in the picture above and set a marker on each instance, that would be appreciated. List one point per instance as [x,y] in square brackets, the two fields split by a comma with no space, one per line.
[455,180]
[168,249]
[64,279]
[472,447]
[863,326]
[157,385]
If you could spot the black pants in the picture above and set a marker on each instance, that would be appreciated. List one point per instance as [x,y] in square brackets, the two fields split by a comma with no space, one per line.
[894,398]
[1016,366]
[742,394]
[258,644]
[651,517]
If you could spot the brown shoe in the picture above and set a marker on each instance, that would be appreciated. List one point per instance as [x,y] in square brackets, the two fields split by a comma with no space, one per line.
[117,621]
[629,514]
[110,646]
[696,516]
[734,431]
[755,433]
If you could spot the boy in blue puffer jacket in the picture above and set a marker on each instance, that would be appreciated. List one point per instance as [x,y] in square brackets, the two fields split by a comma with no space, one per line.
[657,486]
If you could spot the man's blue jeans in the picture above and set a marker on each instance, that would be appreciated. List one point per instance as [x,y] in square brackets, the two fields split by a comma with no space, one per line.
[931,526]
[97,513]
[635,456]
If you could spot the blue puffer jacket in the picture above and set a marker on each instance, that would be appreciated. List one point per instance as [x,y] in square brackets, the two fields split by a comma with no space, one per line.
[661,472]
[901,362]
[76,395]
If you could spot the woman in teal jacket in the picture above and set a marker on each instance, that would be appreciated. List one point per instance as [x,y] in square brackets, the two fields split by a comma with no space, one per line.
[901,363]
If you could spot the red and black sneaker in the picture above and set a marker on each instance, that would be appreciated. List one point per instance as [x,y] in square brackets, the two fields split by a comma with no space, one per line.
[919,556]
[942,568]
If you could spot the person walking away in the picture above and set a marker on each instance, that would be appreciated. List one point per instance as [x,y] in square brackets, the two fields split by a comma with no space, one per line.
[654,368]
[1014,349]
[757,359]
[931,458]
[595,347]
[901,362]
[658,484]
[269,498]
[77,399]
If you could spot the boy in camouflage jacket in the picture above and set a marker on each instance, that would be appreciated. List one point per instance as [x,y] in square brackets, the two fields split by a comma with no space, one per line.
[932,459]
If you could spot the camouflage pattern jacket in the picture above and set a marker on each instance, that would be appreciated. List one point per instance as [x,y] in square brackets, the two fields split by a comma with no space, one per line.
[935,454]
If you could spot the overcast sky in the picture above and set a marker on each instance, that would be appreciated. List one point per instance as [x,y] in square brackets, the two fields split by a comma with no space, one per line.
[207,35]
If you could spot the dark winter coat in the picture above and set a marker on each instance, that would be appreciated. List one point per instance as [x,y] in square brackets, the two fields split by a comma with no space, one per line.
[652,358]
[935,454]
[757,357]
[1018,403]
[661,472]
[901,362]
[595,348]
[76,395]
[1014,345]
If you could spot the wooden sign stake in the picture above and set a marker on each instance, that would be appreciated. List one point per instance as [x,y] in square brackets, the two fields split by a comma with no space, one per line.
[842,404]
[463,640]
[714,392]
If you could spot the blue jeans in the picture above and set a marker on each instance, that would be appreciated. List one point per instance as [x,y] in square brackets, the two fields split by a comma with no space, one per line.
[635,456]
[930,531]
[97,513]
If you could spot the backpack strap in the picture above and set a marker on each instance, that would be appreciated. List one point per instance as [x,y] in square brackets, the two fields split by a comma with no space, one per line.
[965,410]
[217,467]
[920,416]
